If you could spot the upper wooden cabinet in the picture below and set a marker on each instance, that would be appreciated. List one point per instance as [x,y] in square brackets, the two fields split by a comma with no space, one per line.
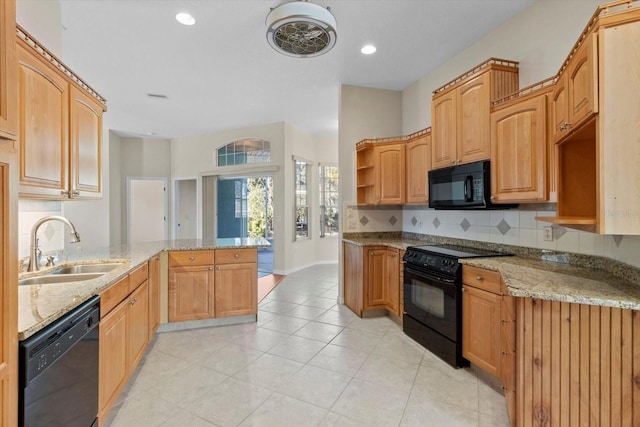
[8,94]
[597,156]
[460,112]
[519,170]
[60,128]
[418,164]
[576,95]
[393,171]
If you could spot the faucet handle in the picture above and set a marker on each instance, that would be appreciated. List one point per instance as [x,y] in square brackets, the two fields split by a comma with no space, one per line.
[50,260]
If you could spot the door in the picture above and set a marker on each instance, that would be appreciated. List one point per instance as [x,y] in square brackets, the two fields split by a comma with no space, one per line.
[147,209]
[186,209]
[232,207]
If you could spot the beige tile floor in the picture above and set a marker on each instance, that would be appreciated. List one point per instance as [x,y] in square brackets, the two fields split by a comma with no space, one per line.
[306,362]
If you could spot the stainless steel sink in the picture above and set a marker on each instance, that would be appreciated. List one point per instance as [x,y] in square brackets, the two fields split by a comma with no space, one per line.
[87,268]
[59,278]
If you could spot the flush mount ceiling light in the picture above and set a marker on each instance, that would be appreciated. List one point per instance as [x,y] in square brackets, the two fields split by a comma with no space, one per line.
[185,18]
[368,49]
[301,29]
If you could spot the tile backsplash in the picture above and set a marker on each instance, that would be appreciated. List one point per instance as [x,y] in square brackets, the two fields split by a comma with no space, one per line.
[51,234]
[512,227]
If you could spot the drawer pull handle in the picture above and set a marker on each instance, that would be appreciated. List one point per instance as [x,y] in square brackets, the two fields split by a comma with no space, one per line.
[479,278]
[192,258]
[236,256]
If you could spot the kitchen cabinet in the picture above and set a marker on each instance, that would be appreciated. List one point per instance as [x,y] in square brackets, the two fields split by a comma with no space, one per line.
[8,80]
[481,306]
[519,168]
[191,285]
[418,164]
[372,279]
[575,97]
[59,128]
[124,334]
[9,166]
[597,160]
[380,172]
[460,112]
[154,294]
[236,282]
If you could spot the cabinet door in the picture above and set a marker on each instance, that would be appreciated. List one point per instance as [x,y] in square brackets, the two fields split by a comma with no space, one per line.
[443,131]
[85,145]
[518,159]
[391,172]
[8,94]
[191,293]
[560,108]
[473,115]
[353,277]
[392,282]
[113,366]
[43,105]
[154,295]
[138,324]
[236,289]
[582,78]
[376,278]
[418,164]
[481,329]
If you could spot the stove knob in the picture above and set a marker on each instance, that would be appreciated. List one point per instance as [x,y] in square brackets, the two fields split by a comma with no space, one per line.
[443,262]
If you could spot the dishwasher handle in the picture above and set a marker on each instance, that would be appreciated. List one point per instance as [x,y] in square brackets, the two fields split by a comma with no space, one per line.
[42,350]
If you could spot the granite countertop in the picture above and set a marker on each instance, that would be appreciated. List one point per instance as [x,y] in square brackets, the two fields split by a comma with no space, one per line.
[535,278]
[530,276]
[40,305]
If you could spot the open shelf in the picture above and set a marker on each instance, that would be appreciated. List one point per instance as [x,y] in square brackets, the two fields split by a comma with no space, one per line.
[578,222]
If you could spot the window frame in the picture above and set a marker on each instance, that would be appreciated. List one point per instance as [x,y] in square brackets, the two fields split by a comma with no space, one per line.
[322,199]
[307,194]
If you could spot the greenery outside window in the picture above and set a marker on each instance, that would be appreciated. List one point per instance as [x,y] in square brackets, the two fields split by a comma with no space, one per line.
[302,169]
[328,179]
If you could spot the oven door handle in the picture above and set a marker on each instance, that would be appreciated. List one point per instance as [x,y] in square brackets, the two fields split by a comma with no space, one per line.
[430,276]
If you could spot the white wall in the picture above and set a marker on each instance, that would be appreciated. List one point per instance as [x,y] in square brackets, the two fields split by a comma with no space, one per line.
[42,19]
[540,38]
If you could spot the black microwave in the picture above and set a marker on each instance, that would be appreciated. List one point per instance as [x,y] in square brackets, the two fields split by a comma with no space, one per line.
[465,186]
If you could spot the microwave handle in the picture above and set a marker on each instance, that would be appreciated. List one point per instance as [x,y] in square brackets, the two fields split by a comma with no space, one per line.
[468,189]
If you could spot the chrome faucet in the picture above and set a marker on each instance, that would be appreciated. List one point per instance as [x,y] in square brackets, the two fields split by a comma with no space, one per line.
[34,256]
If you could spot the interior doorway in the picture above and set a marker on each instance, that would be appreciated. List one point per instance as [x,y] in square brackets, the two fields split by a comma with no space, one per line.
[185,225]
[146,209]
[244,208]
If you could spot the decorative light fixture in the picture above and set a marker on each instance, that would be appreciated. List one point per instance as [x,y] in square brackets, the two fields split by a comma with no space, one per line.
[368,49]
[185,18]
[301,29]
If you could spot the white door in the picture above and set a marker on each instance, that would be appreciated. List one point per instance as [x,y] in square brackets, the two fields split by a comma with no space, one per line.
[186,209]
[147,210]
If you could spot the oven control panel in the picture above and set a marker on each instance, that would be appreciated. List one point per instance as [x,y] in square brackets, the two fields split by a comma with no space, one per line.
[431,261]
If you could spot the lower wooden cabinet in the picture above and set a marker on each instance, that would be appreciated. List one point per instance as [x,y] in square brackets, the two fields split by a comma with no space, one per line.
[372,278]
[124,334]
[191,293]
[481,329]
[236,289]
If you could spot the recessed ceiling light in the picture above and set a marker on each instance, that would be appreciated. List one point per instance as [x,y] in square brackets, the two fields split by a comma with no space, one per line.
[185,19]
[368,49]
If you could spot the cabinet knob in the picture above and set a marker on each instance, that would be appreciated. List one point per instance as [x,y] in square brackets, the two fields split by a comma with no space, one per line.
[479,278]
[64,193]
[133,301]
[451,162]
[75,193]
[463,289]
[211,268]
[192,258]
[236,256]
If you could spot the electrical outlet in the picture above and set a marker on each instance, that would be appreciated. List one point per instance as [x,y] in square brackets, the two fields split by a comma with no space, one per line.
[547,233]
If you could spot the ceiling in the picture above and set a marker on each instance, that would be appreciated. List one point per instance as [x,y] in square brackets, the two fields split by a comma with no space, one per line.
[222,74]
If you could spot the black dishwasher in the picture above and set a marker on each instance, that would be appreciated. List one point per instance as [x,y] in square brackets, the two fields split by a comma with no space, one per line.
[59,371]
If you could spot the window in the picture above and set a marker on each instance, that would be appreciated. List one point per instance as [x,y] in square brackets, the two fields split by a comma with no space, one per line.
[245,151]
[302,199]
[328,177]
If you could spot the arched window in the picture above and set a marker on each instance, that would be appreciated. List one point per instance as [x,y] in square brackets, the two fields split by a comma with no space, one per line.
[244,151]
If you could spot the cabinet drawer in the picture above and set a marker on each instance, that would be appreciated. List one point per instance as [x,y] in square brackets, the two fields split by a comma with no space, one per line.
[184,258]
[138,276]
[234,256]
[113,295]
[481,278]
